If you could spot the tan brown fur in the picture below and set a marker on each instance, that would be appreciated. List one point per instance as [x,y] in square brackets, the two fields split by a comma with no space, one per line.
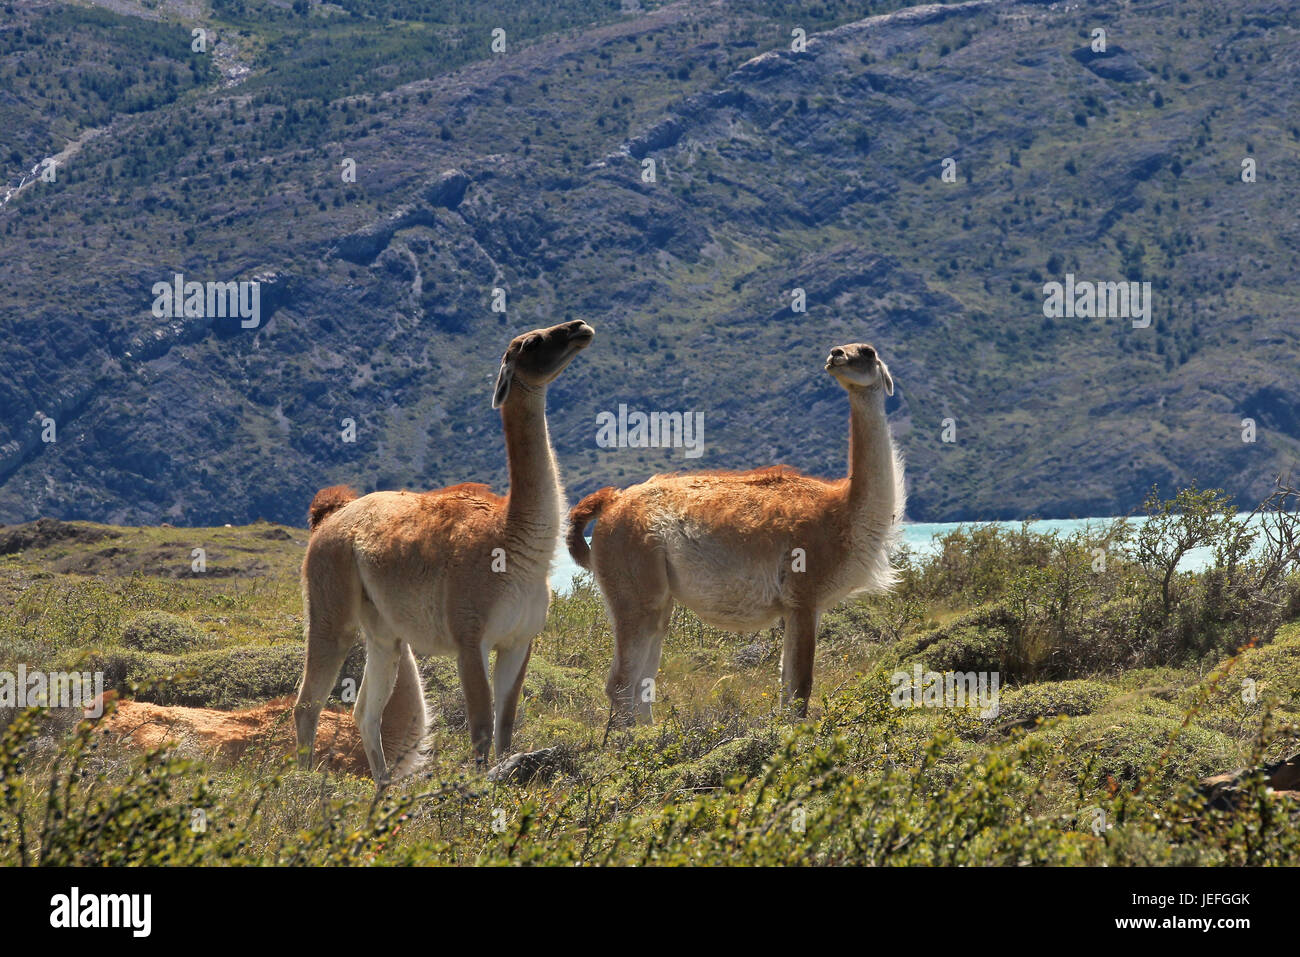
[459,571]
[723,544]
[582,515]
[328,501]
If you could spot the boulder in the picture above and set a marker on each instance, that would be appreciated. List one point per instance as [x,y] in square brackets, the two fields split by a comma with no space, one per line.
[448,190]
[1223,791]
[529,765]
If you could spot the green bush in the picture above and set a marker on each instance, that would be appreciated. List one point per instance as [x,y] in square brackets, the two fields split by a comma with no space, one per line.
[983,639]
[741,757]
[225,678]
[1264,677]
[1125,746]
[1050,699]
[971,648]
[852,787]
[161,631]
[87,808]
[214,678]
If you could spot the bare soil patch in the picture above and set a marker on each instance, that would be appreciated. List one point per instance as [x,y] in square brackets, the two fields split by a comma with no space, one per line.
[265,731]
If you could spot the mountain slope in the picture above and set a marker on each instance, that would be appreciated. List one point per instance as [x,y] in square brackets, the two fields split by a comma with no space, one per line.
[522,171]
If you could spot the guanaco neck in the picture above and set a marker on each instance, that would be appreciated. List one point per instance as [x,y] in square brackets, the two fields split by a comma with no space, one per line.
[533,506]
[872,487]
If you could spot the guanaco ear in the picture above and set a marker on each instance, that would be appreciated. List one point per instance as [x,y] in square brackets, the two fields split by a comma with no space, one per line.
[504,378]
[885,377]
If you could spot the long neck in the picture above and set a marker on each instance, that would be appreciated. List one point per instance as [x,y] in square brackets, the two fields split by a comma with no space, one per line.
[535,496]
[873,492]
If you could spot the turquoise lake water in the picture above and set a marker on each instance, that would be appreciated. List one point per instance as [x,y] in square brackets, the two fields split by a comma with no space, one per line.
[920,538]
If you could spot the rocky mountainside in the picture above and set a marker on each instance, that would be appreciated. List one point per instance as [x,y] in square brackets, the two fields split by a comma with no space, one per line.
[919,173]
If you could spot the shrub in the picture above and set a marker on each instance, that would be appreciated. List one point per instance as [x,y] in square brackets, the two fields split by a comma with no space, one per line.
[880,618]
[1050,699]
[971,649]
[1125,746]
[88,810]
[741,757]
[983,639]
[225,677]
[723,777]
[1263,676]
[161,631]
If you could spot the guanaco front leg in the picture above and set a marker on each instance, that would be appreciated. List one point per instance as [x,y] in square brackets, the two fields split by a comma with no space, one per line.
[478,699]
[508,682]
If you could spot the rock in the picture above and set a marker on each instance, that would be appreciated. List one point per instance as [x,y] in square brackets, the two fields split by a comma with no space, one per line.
[363,246]
[527,765]
[660,136]
[448,190]
[1115,63]
[1027,723]
[1284,775]
[752,654]
[1148,165]
[1223,791]
[761,67]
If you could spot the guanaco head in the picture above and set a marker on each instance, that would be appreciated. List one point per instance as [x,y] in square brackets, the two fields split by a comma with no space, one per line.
[534,359]
[859,367]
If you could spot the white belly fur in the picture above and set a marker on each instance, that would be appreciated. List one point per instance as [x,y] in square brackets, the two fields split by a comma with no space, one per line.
[734,598]
[516,616]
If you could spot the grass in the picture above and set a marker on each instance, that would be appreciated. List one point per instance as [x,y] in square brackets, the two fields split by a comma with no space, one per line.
[722,776]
